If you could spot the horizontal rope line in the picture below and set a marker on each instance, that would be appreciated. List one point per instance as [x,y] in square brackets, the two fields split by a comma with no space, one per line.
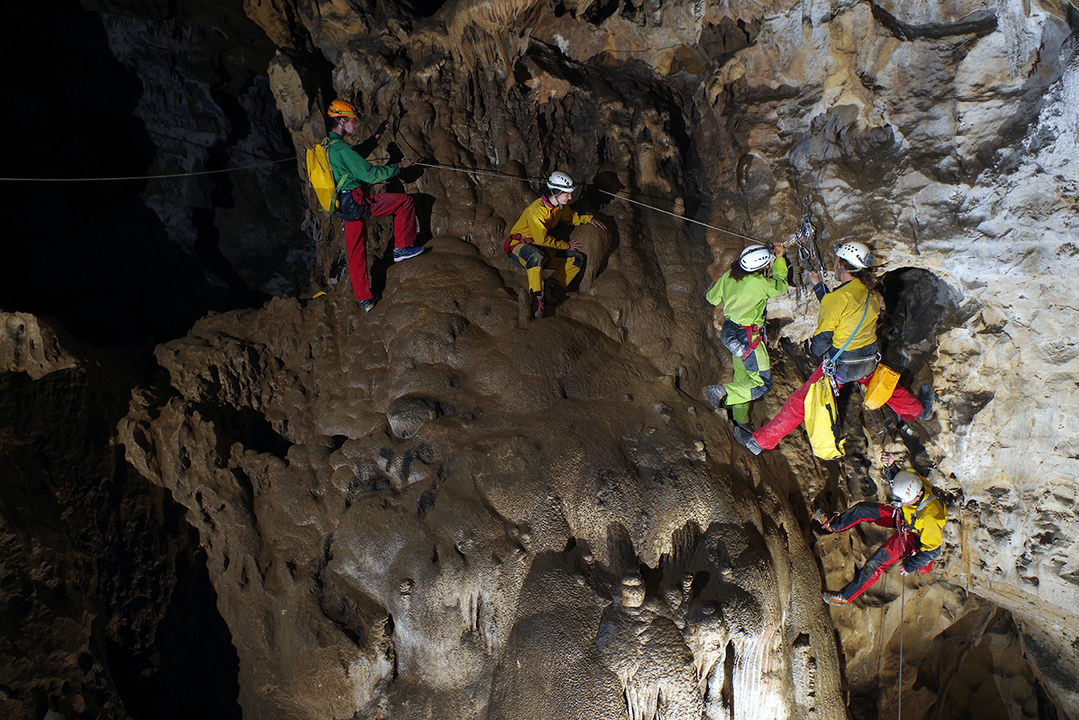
[149,177]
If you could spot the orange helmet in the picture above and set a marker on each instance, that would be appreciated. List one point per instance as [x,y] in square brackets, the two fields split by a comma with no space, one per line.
[340,108]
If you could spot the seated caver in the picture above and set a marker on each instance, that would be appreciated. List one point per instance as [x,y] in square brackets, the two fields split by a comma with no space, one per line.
[533,248]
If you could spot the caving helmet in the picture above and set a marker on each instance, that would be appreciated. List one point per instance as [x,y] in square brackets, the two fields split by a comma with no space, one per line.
[756,257]
[905,487]
[560,182]
[855,254]
[342,108]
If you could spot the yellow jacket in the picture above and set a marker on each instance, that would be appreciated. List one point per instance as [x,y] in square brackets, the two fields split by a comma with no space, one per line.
[927,518]
[538,219]
[840,311]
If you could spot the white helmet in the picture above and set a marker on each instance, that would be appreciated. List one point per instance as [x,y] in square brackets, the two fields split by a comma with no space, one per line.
[756,257]
[855,254]
[561,182]
[905,487]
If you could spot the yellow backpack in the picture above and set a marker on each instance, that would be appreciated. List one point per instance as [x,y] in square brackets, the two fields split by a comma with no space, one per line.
[822,421]
[321,176]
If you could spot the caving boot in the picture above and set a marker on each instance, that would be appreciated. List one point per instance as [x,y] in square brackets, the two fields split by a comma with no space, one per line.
[537,305]
[925,397]
[715,395]
[746,440]
[367,305]
[834,598]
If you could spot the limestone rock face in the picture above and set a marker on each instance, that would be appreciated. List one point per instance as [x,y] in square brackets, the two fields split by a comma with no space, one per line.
[428,507]
[443,508]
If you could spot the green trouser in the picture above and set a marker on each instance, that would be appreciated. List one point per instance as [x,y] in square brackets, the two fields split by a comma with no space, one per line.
[752,379]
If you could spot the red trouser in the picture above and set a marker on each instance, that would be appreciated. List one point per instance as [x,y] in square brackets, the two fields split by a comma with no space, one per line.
[404,235]
[793,411]
[893,550]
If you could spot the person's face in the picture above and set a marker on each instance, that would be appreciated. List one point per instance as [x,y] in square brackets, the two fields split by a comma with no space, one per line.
[349,124]
[563,198]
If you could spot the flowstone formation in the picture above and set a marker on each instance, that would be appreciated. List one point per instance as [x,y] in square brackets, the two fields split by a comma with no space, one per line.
[444,509]
[429,511]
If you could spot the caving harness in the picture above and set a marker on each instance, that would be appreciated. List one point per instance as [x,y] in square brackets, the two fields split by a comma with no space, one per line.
[741,340]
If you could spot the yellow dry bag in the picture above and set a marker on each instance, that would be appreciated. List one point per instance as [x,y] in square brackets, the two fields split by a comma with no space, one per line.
[822,421]
[881,386]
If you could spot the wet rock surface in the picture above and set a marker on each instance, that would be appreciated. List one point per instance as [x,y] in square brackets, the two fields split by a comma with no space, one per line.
[443,509]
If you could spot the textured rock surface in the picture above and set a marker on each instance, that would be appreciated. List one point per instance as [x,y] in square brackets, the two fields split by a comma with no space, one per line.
[564,513]
[441,509]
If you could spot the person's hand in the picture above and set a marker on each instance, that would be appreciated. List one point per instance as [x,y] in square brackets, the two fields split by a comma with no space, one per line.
[779,249]
[814,277]
[576,244]
[598,224]
[903,569]
[382,128]
[406,163]
[887,459]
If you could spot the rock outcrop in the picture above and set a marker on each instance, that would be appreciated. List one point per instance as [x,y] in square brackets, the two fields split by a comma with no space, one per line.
[442,508]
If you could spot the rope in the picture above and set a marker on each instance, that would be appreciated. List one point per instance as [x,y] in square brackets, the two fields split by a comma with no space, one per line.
[436,166]
[147,177]
[902,611]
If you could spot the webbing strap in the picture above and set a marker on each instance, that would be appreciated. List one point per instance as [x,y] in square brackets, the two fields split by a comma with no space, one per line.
[344,177]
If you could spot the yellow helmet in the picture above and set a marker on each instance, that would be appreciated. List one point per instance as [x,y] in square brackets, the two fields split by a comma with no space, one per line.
[340,108]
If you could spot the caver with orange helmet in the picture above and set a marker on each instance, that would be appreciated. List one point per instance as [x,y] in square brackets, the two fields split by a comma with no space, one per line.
[342,108]
[918,516]
[353,178]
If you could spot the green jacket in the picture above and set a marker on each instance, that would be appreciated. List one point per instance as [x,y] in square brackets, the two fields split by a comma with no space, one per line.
[744,300]
[348,160]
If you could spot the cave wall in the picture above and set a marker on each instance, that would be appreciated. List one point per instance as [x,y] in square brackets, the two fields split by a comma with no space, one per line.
[444,505]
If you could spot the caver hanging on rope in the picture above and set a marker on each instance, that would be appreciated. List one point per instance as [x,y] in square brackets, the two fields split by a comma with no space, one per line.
[846,341]
[743,291]
[918,517]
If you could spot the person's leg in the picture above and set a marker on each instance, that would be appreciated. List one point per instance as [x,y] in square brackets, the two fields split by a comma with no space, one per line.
[789,416]
[531,258]
[752,380]
[403,210]
[874,512]
[356,245]
[905,405]
[887,555]
[566,264]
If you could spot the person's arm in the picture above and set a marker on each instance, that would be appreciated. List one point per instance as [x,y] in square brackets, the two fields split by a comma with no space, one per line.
[831,310]
[919,559]
[357,167]
[716,295]
[538,214]
[778,284]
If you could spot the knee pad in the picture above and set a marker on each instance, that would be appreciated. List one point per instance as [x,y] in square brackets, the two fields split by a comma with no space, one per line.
[576,257]
[762,390]
[532,257]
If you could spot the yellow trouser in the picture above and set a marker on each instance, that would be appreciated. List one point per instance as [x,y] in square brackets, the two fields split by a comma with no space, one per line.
[533,258]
